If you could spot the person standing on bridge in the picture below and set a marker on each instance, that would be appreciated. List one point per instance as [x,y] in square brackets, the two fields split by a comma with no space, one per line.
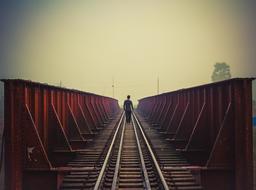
[128,107]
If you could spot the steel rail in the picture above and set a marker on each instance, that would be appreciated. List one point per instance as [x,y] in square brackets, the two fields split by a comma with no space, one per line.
[145,173]
[164,183]
[114,182]
[99,179]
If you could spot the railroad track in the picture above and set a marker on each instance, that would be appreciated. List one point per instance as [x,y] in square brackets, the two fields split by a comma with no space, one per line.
[131,163]
[134,157]
[175,168]
[88,162]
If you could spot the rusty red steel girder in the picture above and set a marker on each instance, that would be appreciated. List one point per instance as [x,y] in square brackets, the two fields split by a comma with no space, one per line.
[44,125]
[212,126]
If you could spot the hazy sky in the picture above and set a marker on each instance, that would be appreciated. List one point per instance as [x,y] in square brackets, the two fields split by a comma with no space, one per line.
[87,44]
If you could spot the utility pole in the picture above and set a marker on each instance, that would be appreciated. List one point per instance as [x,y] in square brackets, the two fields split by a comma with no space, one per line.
[157,84]
[113,87]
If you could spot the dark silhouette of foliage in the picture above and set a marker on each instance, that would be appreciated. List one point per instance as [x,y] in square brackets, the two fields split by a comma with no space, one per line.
[221,72]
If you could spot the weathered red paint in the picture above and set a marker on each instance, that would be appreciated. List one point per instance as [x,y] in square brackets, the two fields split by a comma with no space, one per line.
[212,126]
[43,127]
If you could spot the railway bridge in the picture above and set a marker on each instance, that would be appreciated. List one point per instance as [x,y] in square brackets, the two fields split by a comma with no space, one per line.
[189,139]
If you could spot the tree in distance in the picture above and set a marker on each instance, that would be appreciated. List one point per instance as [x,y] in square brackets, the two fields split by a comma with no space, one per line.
[221,72]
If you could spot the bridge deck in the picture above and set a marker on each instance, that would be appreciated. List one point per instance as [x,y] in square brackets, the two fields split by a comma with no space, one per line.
[54,137]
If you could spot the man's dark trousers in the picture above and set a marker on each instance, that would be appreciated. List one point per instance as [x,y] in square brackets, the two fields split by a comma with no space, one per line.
[128,116]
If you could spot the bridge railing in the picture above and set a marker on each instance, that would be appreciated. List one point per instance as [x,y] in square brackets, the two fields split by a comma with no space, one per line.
[44,125]
[212,126]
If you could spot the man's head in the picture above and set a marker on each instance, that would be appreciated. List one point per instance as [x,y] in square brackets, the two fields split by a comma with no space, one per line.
[128,97]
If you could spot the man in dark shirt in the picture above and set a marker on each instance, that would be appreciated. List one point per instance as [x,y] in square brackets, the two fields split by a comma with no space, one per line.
[128,107]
